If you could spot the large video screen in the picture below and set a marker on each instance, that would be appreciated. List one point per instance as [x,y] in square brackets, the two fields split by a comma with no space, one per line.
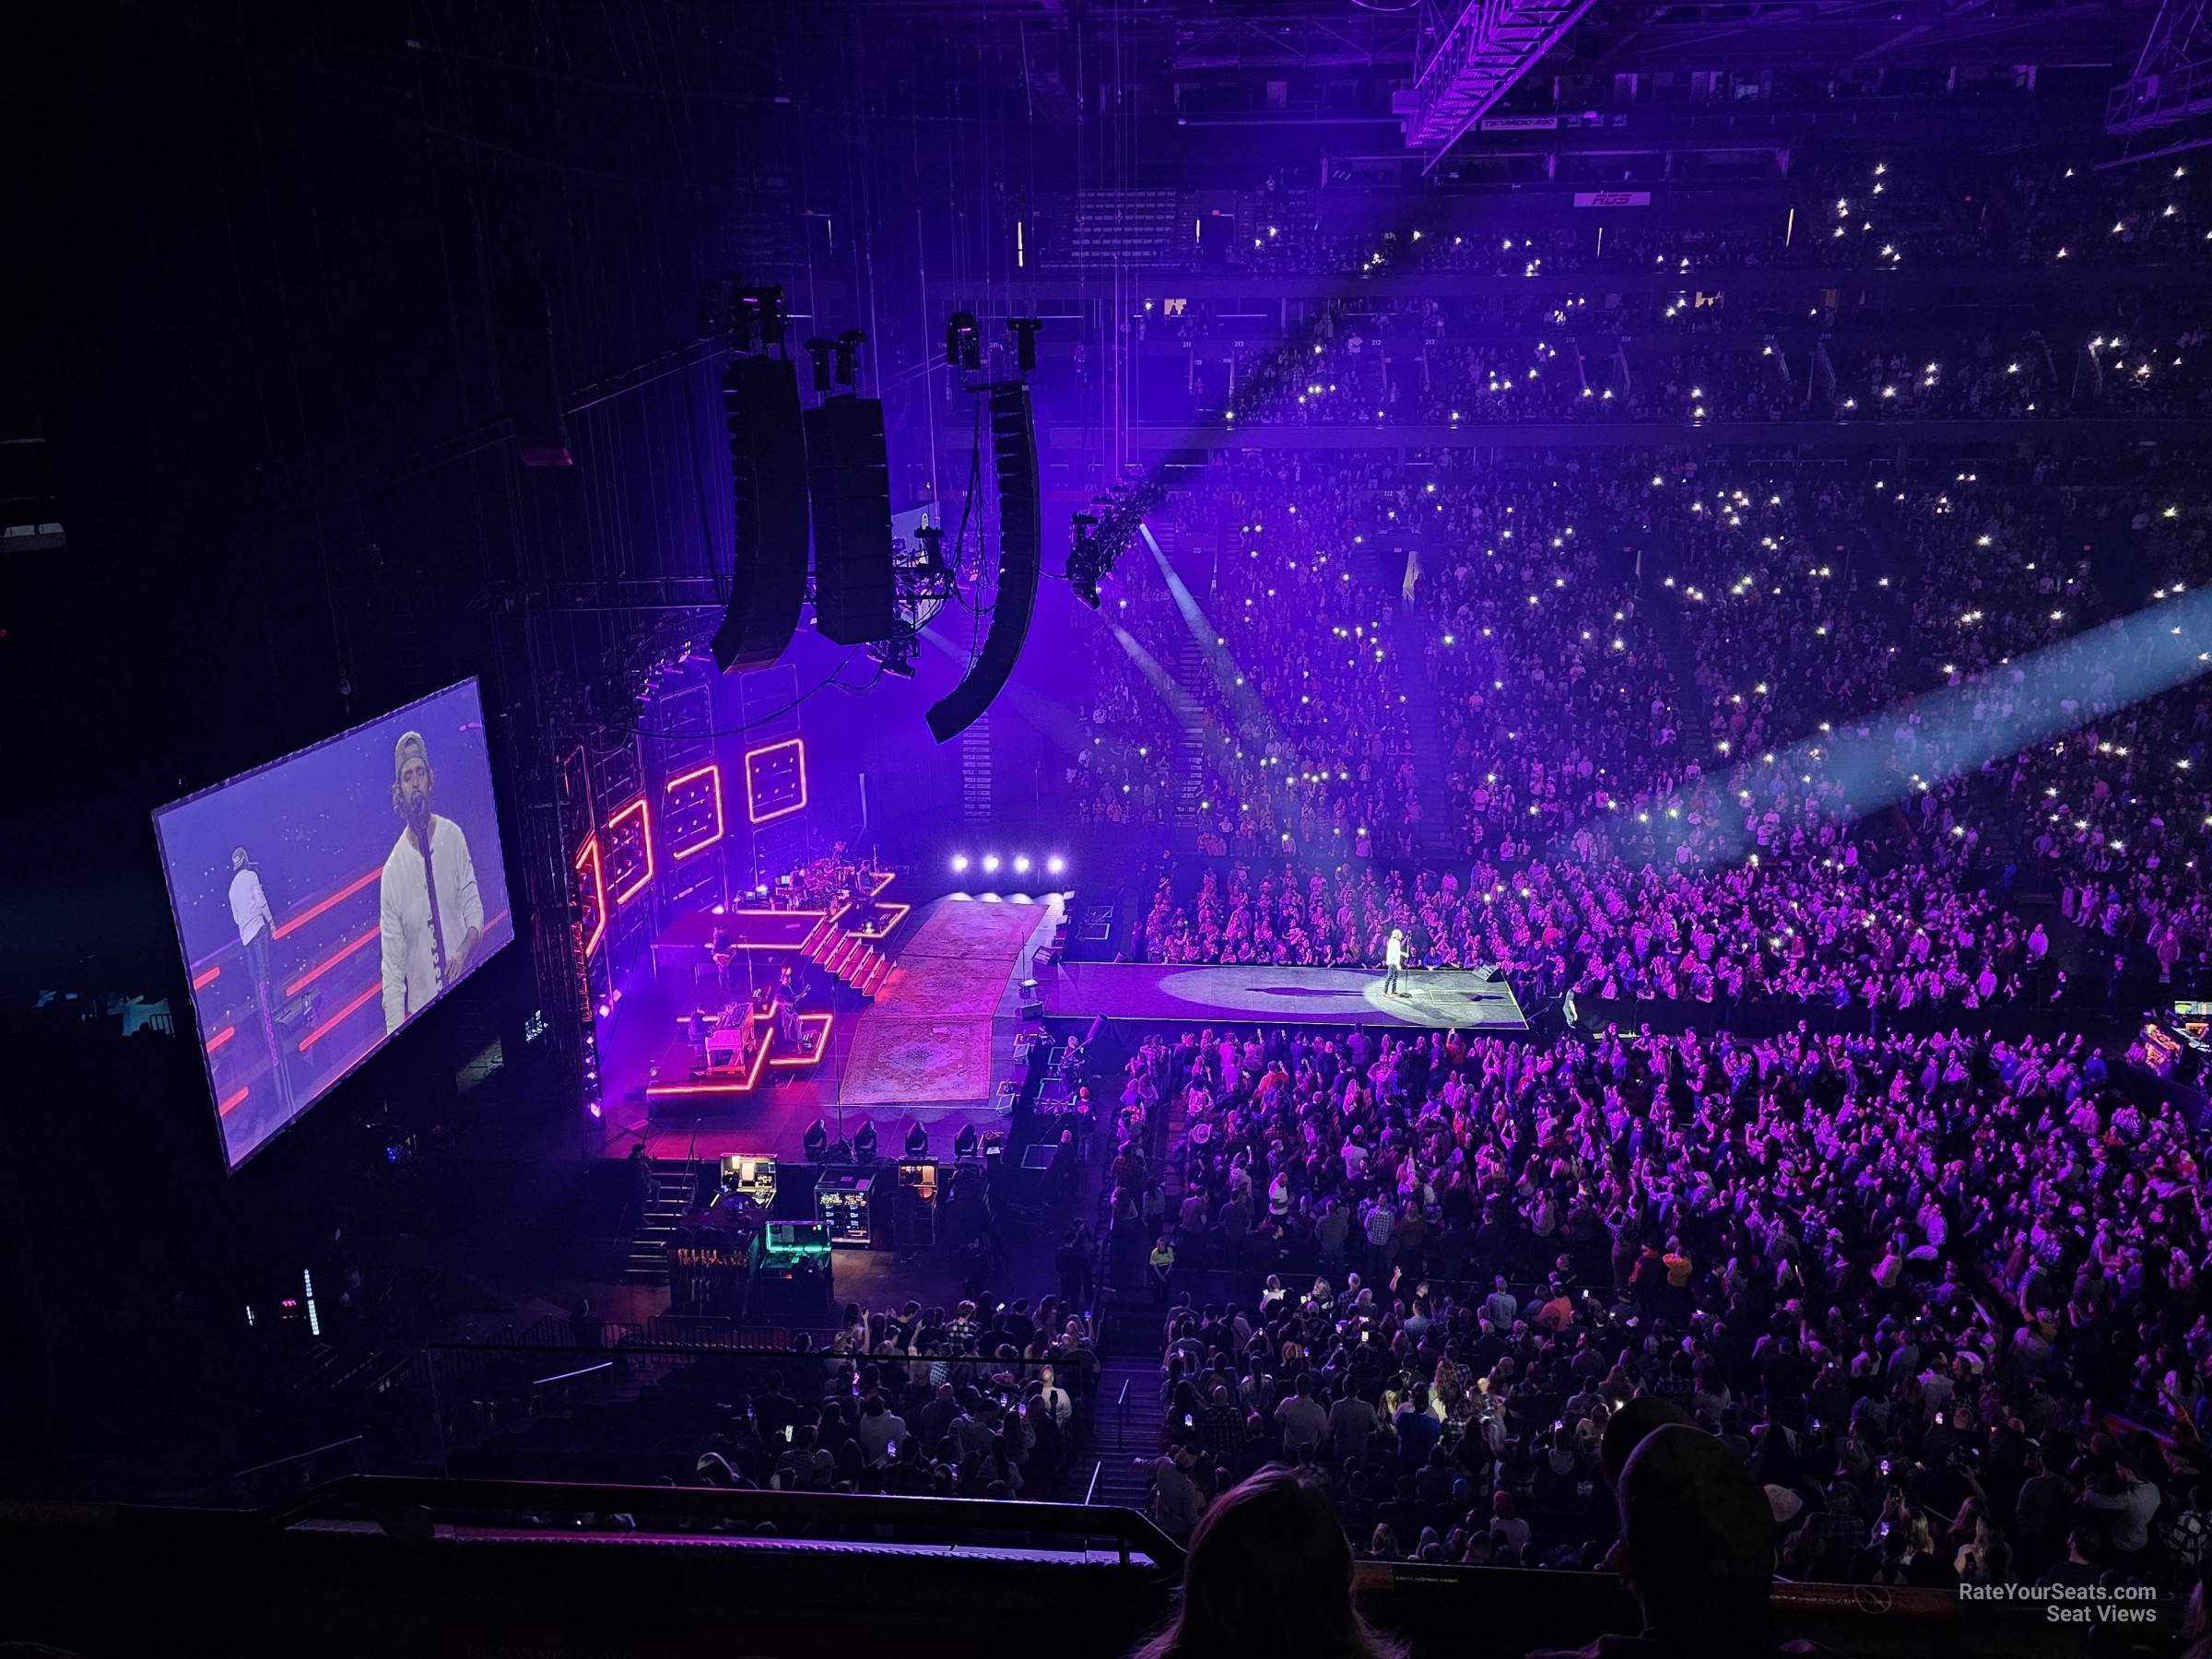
[326,898]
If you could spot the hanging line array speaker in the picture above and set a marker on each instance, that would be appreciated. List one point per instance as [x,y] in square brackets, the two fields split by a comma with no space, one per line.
[848,475]
[768,486]
[1020,557]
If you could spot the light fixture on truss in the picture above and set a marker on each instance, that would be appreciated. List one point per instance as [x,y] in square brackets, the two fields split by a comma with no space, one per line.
[922,581]
[1102,538]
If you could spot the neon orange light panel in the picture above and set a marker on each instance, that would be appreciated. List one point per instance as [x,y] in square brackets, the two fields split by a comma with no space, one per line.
[596,928]
[886,918]
[742,1086]
[812,1053]
[632,873]
[775,780]
[710,775]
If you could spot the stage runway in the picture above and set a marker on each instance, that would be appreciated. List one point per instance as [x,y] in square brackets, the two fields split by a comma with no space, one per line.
[1229,993]
[940,1030]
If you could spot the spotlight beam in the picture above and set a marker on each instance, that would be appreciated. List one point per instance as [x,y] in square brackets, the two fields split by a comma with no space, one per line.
[2101,669]
[1243,701]
[1255,726]
[1221,746]
[1061,725]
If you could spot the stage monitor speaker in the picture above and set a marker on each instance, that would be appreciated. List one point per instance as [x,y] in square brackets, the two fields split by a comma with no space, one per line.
[848,475]
[768,486]
[1032,1012]
[1021,556]
[529,384]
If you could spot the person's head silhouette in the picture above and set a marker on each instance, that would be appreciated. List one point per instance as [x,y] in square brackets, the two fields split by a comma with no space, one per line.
[1269,1572]
[1697,1539]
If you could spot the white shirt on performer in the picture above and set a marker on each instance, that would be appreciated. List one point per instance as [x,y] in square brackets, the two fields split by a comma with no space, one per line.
[1393,952]
[250,907]
[410,960]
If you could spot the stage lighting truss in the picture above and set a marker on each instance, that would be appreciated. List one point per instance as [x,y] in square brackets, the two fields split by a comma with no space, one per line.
[922,583]
[1102,538]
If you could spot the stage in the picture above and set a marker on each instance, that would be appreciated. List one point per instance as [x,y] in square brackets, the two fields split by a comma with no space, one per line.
[935,1039]
[1232,994]
[931,1043]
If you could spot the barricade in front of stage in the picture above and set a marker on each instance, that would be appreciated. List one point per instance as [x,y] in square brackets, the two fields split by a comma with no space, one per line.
[446,1568]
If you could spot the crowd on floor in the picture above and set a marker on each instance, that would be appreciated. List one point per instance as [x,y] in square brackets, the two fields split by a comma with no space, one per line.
[1938,1294]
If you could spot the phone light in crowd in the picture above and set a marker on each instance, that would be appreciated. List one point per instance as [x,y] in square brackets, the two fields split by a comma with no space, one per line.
[960,863]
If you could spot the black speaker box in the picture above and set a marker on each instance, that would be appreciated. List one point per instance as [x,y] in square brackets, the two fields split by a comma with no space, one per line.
[1020,554]
[848,478]
[767,485]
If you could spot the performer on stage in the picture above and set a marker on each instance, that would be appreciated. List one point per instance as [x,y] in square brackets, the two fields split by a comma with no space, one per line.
[1394,960]
[430,913]
[257,930]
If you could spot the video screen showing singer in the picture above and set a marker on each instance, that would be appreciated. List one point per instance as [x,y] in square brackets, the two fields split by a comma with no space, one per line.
[309,932]
[431,914]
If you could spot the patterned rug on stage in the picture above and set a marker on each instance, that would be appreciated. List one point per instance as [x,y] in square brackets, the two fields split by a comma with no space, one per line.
[974,927]
[927,1035]
[896,1061]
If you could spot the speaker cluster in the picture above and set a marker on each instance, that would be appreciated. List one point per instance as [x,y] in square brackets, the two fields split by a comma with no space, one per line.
[818,479]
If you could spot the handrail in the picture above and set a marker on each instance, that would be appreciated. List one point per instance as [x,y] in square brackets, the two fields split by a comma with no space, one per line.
[988,1515]
[277,1463]
[691,1158]
[582,1371]
[1090,1493]
[675,1350]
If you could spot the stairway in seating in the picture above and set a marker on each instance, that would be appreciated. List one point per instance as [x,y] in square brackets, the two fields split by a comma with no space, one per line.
[1660,608]
[1122,1436]
[1438,841]
[1191,673]
[674,1181]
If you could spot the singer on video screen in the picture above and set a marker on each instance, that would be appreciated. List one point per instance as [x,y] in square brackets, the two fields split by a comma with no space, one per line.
[431,917]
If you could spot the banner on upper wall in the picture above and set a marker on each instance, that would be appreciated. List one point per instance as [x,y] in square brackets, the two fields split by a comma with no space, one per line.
[1612,198]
